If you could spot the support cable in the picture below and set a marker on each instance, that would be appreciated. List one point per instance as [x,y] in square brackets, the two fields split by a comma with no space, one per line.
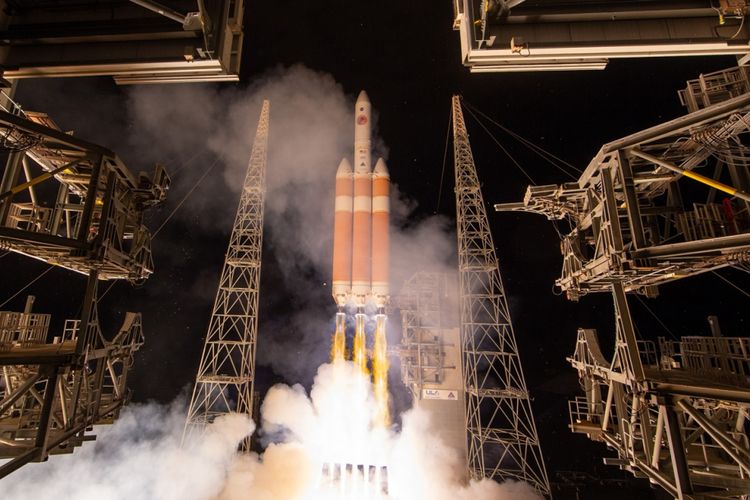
[538,150]
[106,291]
[671,334]
[27,285]
[185,163]
[445,160]
[153,237]
[502,148]
[171,214]
[743,292]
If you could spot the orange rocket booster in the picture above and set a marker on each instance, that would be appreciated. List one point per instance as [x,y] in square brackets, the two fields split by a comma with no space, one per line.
[342,235]
[381,182]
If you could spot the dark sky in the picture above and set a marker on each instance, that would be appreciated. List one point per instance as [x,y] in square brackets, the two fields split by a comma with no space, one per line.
[408,58]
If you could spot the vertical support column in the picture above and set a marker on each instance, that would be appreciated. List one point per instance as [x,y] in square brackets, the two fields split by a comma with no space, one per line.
[42,434]
[502,437]
[631,198]
[107,200]
[10,179]
[88,313]
[59,210]
[677,453]
[610,204]
[713,322]
[627,332]
[738,173]
[27,174]
[88,207]
[84,342]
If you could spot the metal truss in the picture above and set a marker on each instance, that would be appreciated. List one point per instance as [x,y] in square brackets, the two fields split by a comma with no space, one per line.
[502,436]
[226,374]
[93,216]
[676,413]
[635,214]
[52,392]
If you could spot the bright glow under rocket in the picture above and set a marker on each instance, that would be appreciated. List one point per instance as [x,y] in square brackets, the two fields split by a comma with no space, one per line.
[360,254]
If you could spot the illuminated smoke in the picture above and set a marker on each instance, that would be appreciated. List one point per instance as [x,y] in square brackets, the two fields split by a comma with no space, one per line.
[139,457]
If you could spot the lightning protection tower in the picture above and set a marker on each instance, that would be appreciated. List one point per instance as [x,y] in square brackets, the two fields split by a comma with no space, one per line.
[224,382]
[501,434]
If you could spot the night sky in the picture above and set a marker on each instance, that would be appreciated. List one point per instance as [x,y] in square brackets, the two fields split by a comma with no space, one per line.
[407,57]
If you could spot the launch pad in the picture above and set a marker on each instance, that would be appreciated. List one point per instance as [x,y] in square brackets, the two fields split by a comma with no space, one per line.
[369,481]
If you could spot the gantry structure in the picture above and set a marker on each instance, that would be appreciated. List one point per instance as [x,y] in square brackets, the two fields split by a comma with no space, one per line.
[663,204]
[561,35]
[502,438]
[430,353]
[424,316]
[226,373]
[77,207]
[136,41]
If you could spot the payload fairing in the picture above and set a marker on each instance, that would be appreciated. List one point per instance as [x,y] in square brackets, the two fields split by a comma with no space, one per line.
[360,238]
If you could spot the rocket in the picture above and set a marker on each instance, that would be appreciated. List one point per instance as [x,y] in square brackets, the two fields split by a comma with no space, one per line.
[360,238]
[360,256]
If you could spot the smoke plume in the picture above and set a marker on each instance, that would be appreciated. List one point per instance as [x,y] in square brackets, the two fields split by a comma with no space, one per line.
[140,455]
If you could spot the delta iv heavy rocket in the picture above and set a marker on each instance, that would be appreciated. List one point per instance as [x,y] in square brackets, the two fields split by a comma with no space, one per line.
[360,238]
[360,253]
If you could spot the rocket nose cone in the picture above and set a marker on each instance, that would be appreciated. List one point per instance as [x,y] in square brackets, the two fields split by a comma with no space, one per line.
[380,168]
[345,168]
[363,97]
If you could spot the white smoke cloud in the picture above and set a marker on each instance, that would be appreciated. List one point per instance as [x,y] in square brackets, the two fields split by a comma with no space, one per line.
[140,457]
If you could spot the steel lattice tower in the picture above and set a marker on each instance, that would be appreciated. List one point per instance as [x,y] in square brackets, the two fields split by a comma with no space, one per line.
[224,382]
[502,437]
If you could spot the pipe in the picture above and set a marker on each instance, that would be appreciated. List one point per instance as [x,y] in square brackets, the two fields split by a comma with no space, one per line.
[37,180]
[161,10]
[693,175]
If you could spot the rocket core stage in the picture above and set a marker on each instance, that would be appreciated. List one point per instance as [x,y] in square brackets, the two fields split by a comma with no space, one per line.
[360,255]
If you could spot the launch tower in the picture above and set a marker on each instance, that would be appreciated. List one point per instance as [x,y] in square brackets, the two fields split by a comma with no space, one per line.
[502,436]
[226,374]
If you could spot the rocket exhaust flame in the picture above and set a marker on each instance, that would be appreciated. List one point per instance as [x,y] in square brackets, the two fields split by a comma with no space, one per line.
[359,353]
[338,347]
[380,371]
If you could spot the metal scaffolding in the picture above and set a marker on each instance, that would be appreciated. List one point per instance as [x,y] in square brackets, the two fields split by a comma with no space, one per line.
[638,213]
[675,412]
[77,207]
[502,436]
[92,219]
[224,382]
